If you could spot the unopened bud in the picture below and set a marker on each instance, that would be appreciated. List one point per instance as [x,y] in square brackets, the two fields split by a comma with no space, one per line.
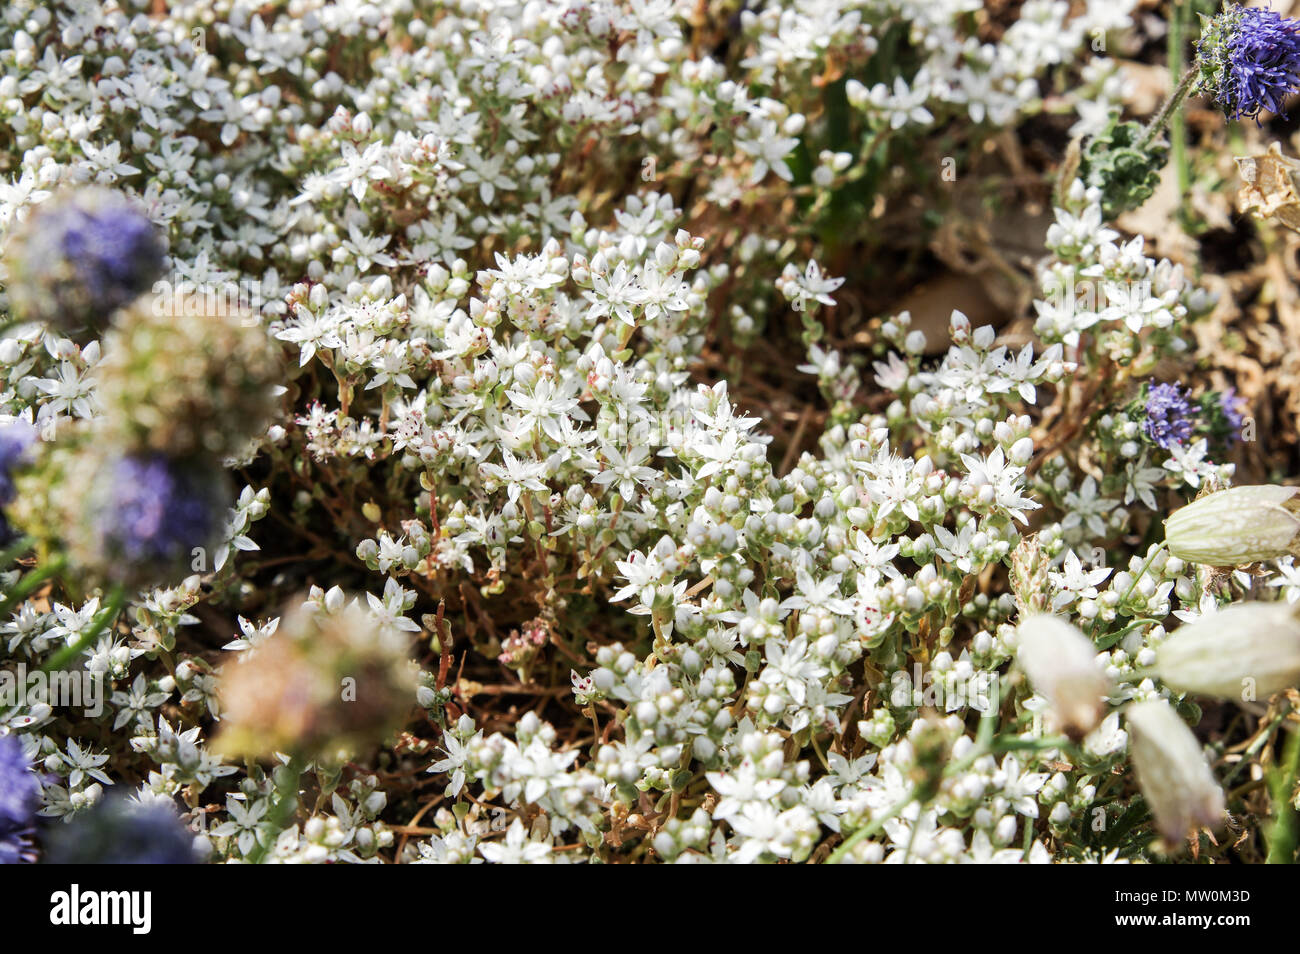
[1236,526]
[1061,664]
[1172,772]
[1241,652]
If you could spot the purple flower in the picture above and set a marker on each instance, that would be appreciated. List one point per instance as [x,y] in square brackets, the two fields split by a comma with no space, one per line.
[151,512]
[1249,60]
[1231,405]
[119,831]
[20,795]
[81,256]
[1168,415]
[14,441]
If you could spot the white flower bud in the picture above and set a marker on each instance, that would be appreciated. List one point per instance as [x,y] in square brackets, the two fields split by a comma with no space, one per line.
[1243,652]
[1171,771]
[1236,526]
[1061,664]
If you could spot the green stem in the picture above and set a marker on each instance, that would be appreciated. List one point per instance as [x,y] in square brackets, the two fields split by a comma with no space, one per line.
[866,831]
[1157,125]
[1177,128]
[1253,749]
[1282,836]
[282,809]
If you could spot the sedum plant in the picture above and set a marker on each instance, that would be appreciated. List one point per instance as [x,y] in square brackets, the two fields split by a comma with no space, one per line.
[442,289]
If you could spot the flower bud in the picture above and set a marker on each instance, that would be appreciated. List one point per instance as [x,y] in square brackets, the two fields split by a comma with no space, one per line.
[1171,771]
[1241,652]
[1236,526]
[181,378]
[330,681]
[81,255]
[1061,664]
[119,831]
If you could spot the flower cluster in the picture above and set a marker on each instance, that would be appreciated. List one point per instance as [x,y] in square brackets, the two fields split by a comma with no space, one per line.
[607,605]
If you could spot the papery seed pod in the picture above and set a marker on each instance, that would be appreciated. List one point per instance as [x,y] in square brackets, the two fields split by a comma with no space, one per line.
[1243,652]
[328,683]
[1061,664]
[79,256]
[1236,526]
[180,380]
[1270,186]
[1172,772]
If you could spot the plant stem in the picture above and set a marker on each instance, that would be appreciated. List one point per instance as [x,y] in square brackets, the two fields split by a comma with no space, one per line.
[1157,124]
[285,804]
[1177,128]
[868,830]
[1282,836]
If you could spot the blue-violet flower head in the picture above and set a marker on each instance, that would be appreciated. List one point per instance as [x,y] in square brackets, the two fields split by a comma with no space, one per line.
[1249,60]
[1169,416]
[80,256]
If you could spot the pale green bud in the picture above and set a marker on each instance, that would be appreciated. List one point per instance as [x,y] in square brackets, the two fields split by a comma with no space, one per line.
[1236,526]
[1172,772]
[1061,664]
[1243,652]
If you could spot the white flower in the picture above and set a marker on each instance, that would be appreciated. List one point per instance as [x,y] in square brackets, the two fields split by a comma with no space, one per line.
[516,849]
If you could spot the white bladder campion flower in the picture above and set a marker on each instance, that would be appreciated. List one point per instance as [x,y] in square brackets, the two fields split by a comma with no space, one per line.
[1061,664]
[1236,526]
[1242,652]
[1172,772]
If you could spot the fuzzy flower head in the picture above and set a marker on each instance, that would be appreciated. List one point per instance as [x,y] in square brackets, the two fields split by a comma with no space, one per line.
[79,257]
[1169,416]
[182,379]
[15,439]
[119,831]
[332,681]
[1230,411]
[20,793]
[1249,60]
[147,514]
